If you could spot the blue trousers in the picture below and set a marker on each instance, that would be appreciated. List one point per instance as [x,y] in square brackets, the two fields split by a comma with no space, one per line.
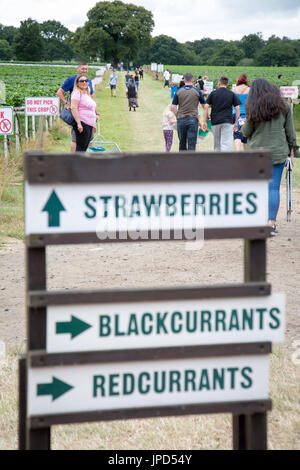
[274,190]
[187,129]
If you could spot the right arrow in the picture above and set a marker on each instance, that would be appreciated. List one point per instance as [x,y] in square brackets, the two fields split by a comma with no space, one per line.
[75,327]
[56,388]
[53,206]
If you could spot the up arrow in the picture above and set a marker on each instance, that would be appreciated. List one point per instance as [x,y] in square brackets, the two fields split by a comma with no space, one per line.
[56,388]
[53,206]
[75,327]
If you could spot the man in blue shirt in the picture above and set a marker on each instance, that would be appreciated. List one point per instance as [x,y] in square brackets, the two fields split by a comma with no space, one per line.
[187,98]
[68,86]
[113,83]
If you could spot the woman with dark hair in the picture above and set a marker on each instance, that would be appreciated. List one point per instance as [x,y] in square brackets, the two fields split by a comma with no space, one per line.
[269,124]
[241,91]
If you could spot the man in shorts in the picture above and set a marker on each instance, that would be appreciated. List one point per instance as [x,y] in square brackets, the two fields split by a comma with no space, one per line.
[67,87]
[113,83]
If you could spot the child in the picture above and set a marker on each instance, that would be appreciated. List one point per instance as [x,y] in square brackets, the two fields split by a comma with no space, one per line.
[169,125]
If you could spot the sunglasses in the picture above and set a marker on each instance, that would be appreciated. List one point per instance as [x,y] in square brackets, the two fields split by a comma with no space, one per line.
[82,81]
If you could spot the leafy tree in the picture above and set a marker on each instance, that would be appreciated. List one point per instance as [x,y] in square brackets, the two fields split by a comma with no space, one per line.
[165,50]
[251,44]
[118,30]
[276,53]
[55,36]
[5,50]
[8,33]
[28,43]
[230,54]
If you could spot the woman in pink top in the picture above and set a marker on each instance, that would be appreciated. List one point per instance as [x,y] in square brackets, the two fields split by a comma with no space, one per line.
[84,111]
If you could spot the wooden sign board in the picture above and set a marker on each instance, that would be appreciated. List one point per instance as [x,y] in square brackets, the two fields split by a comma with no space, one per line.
[138,196]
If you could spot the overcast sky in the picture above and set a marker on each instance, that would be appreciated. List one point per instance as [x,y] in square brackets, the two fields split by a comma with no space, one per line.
[184,20]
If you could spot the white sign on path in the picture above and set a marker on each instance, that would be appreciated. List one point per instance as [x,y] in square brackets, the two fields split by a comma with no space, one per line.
[97,387]
[138,325]
[107,207]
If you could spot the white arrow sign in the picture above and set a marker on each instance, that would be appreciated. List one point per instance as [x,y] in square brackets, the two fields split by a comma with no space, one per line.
[142,384]
[134,207]
[75,328]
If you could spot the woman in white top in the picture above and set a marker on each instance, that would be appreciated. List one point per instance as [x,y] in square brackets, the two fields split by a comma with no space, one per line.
[169,125]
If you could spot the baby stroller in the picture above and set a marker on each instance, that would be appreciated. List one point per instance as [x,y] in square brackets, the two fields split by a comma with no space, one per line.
[100,144]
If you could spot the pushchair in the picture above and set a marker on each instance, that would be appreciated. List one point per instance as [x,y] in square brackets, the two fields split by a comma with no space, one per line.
[100,144]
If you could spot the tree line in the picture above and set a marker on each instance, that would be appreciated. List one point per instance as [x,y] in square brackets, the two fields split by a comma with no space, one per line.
[117,31]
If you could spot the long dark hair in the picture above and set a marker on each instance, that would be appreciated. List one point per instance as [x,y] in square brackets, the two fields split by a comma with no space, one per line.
[264,101]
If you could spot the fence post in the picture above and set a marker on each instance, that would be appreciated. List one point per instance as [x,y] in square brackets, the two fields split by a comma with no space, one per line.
[17,128]
[33,126]
[26,127]
[5,143]
[41,131]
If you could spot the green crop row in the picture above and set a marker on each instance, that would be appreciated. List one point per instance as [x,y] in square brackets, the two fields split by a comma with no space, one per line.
[22,81]
[290,74]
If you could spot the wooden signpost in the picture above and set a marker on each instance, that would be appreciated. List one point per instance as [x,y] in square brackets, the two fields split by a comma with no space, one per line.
[119,354]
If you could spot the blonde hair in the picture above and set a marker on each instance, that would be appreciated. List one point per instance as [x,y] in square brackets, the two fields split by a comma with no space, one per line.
[76,87]
[168,109]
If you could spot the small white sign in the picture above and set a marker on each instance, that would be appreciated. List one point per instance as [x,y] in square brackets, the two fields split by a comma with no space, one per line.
[97,387]
[160,67]
[42,106]
[154,67]
[6,120]
[176,78]
[289,92]
[138,325]
[208,87]
[137,207]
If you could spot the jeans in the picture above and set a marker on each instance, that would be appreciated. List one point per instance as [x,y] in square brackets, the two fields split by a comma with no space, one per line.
[187,129]
[274,190]
[223,135]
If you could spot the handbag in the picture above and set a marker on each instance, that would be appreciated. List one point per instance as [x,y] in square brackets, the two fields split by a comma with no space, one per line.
[67,116]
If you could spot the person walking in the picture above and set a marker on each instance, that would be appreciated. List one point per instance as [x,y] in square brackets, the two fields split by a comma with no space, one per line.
[269,124]
[169,125]
[113,84]
[141,72]
[185,107]
[132,94]
[127,78]
[167,78]
[67,87]
[222,101]
[241,91]
[137,80]
[84,112]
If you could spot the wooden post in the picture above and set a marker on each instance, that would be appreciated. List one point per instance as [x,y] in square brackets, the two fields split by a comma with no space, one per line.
[41,131]
[5,143]
[46,124]
[36,439]
[250,431]
[33,126]
[26,128]
[22,402]
[17,130]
